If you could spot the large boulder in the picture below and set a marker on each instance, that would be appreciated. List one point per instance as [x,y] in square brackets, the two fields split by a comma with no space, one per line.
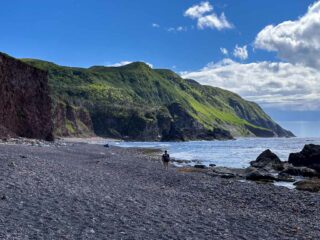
[300,171]
[312,185]
[259,175]
[308,157]
[269,160]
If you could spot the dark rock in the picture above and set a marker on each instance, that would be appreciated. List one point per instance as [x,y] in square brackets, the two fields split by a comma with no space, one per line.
[106,145]
[259,175]
[22,156]
[200,166]
[212,165]
[284,177]
[300,171]
[267,159]
[308,157]
[25,108]
[308,185]
[227,175]
[3,197]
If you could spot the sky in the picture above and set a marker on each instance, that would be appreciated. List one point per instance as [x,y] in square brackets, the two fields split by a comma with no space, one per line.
[266,51]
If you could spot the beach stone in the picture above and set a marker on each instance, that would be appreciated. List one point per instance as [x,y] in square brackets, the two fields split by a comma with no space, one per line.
[308,185]
[308,157]
[267,159]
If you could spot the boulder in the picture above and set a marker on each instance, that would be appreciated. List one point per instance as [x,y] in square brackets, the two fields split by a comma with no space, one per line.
[300,171]
[267,159]
[259,175]
[308,185]
[284,177]
[308,157]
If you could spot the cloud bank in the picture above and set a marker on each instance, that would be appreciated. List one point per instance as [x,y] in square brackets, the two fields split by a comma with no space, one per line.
[295,41]
[280,85]
[290,85]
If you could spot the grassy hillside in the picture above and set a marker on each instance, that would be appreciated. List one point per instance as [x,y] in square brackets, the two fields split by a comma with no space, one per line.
[138,102]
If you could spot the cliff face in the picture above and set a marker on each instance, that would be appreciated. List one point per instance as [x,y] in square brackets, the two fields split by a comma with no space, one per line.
[136,102]
[25,106]
[69,120]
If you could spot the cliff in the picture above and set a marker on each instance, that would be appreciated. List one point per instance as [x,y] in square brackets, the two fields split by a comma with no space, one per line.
[25,106]
[136,102]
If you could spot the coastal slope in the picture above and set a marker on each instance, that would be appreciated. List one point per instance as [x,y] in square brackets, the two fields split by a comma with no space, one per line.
[136,102]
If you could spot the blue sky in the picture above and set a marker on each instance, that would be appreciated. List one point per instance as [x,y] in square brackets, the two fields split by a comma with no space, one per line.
[84,33]
[271,48]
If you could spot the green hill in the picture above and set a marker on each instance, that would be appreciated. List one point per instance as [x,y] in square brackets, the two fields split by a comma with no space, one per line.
[137,102]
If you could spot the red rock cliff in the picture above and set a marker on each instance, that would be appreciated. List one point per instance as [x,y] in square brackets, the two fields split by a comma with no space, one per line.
[25,105]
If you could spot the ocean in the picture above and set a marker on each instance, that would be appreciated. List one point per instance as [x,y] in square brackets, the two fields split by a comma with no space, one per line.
[232,153]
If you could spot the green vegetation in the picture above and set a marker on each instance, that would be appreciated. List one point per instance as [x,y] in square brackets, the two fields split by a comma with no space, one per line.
[138,102]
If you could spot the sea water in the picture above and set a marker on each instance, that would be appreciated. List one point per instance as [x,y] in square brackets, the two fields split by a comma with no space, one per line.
[232,153]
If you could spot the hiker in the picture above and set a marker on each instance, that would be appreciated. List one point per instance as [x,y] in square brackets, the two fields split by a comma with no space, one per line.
[166,160]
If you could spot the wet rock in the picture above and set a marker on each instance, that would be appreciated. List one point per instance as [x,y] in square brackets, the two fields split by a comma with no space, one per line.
[284,177]
[267,159]
[312,185]
[179,161]
[227,175]
[212,165]
[300,171]
[260,175]
[308,157]
[201,166]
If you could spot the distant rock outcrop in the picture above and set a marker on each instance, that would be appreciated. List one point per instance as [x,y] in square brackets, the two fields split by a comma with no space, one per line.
[308,157]
[25,105]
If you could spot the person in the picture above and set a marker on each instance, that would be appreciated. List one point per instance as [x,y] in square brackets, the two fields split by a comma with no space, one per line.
[166,160]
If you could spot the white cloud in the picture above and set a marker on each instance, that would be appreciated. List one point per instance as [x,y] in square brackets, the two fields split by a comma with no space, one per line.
[295,41]
[224,51]
[206,18]
[272,84]
[241,52]
[155,25]
[197,11]
[177,29]
[123,63]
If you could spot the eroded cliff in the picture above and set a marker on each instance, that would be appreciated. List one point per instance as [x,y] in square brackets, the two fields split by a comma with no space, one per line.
[25,106]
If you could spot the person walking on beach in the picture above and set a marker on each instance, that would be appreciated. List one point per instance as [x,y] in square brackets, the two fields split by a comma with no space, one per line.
[166,160]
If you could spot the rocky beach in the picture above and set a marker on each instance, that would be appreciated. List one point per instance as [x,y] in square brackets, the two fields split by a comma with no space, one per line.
[82,191]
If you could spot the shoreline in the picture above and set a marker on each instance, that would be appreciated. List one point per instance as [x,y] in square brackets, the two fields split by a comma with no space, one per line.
[87,191]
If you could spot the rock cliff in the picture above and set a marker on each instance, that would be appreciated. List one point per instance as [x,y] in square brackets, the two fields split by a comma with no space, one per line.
[25,106]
